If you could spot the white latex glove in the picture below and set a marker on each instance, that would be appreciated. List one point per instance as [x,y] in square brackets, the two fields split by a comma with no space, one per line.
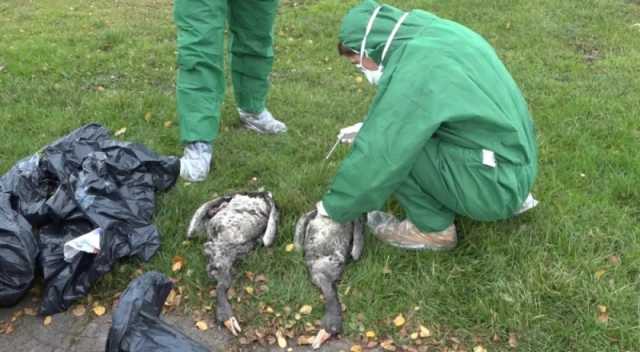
[348,134]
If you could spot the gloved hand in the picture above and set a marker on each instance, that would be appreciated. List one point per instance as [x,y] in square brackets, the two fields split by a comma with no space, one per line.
[196,161]
[348,134]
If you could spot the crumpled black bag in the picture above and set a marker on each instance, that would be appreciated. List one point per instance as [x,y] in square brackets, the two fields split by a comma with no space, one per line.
[136,322]
[18,252]
[80,182]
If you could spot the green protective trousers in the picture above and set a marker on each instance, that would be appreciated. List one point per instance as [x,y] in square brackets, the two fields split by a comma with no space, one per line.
[200,84]
[448,180]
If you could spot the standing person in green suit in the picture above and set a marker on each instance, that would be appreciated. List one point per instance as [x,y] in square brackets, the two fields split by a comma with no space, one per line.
[200,83]
[448,133]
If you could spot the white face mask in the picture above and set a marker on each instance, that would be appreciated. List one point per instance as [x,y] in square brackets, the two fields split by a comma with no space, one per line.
[374,76]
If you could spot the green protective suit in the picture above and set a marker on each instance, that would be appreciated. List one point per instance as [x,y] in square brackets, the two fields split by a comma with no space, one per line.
[200,84]
[443,98]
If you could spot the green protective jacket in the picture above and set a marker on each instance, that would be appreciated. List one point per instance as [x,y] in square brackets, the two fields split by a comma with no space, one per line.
[448,131]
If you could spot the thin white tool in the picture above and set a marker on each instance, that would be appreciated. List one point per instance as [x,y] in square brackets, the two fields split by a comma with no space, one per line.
[332,149]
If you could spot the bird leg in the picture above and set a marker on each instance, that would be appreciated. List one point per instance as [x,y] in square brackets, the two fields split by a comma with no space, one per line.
[224,313]
[332,320]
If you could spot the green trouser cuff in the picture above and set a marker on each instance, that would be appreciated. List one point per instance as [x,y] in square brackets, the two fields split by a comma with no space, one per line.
[422,209]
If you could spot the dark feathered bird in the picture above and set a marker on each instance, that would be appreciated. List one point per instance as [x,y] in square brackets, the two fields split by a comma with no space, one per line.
[235,224]
[327,247]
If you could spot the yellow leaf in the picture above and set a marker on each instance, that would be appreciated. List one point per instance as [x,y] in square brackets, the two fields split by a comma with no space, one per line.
[399,321]
[171,298]
[305,340]
[297,316]
[99,88]
[387,345]
[603,313]
[358,79]
[47,320]
[414,336]
[356,348]
[168,124]
[178,263]
[202,325]
[269,310]
[289,247]
[306,309]
[424,332]
[147,116]
[30,312]
[120,132]
[79,311]
[600,273]
[370,334]
[282,342]
[99,310]
[249,290]
[479,348]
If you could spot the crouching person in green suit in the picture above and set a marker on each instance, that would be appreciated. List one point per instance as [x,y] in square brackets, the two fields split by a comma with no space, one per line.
[448,133]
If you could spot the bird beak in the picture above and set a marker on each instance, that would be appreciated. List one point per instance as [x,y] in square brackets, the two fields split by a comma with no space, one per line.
[321,338]
[233,326]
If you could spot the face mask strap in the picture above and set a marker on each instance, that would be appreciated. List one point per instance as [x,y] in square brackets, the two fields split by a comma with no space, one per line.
[391,36]
[366,33]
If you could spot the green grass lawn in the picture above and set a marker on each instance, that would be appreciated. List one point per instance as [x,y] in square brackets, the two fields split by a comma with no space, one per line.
[539,277]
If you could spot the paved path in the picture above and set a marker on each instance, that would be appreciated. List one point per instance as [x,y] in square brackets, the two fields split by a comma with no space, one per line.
[67,333]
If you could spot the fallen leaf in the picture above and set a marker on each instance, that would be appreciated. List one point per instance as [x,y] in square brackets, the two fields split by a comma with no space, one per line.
[358,79]
[147,116]
[78,310]
[120,132]
[297,316]
[249,290]
[202,325]
[386,269]
[9,329]
[370,334]
[30,312]
[356,348]
[261,278]
[495,338]
[306,309]
[305,340]
[99,310]
[282,342]
[249,275]
[99,88]
[414,336]
[479,348]
[614,260]
[603,313]
[387,345]
[178,263]
[424,332]
[513,340]
[269,310]
[2,68]
[47,320]
[399,320]
[168,124]
[171,298]
[289,247]
[599,274]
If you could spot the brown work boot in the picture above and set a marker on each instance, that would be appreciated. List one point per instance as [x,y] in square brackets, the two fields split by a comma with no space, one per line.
[404,234]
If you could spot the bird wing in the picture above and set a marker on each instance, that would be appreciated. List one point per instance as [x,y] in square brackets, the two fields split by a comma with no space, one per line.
[272,224]
[203,214]
[301,229]
[357,244]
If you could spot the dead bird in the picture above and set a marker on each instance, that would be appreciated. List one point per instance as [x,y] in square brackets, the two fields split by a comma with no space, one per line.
[327,247]
[235,224]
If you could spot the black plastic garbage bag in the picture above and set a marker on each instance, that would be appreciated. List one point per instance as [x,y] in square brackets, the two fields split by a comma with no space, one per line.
[136,322]
[18,252]
[83,181]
